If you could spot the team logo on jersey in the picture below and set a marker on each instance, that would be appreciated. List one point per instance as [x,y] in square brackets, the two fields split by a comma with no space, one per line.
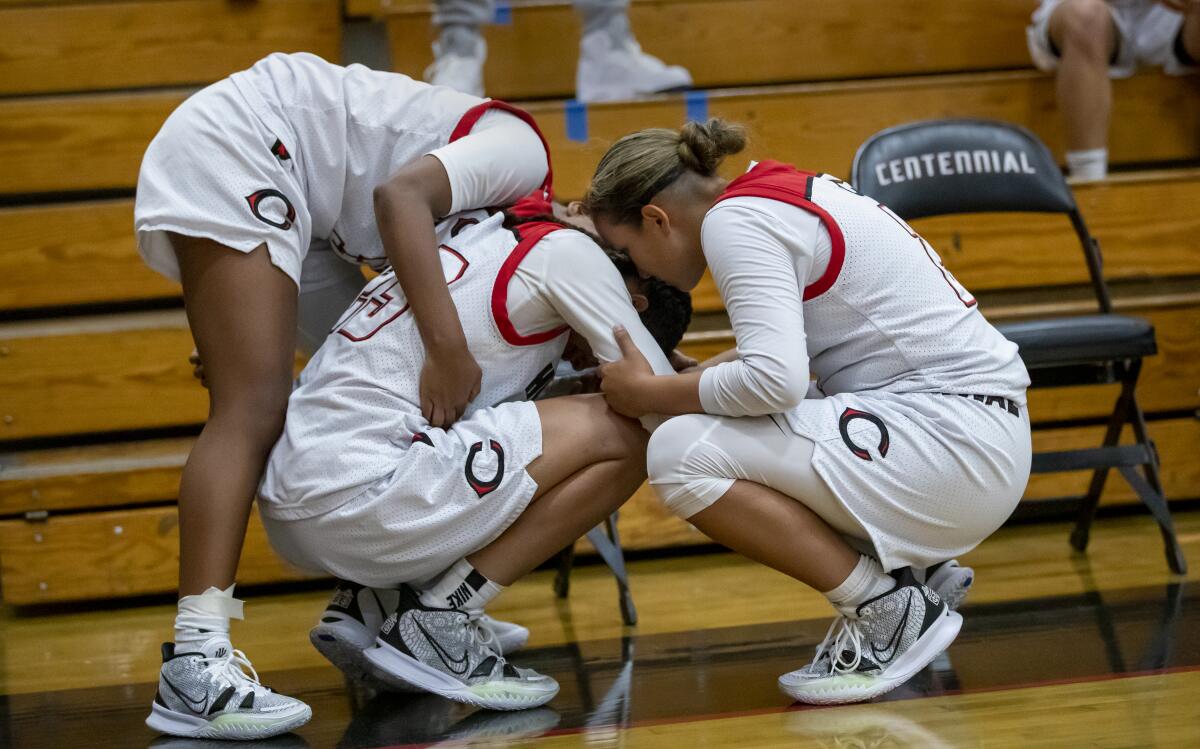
[484,487]
[849,415]
[461,224]
[280,151]
[272,207]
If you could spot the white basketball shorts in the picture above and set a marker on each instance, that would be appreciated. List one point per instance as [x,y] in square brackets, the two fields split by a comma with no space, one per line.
[1146,32]
[216,171]
[452,493]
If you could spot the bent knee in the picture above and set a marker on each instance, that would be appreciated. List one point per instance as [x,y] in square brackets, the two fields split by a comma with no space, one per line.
[685,470]
[1086,26]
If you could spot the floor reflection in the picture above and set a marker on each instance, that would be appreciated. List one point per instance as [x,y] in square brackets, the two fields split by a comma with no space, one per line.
[612,684]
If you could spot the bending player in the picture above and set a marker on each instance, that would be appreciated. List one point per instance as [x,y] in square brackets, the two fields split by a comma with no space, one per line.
[362,487]
[914,439]
[272,186]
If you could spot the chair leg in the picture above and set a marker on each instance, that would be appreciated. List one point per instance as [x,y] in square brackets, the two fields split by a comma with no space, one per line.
[1149,490]
[562,579]
[608,544]
[1087,509]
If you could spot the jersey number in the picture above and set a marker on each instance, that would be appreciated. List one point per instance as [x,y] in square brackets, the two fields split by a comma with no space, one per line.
[959,290]
[383,301]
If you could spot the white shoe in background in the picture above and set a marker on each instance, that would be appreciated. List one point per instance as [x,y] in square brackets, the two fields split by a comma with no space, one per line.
[459,65]
[613,68]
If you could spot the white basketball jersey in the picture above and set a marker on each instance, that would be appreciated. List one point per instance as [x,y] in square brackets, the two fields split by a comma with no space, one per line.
[359,395]
[886,315]
[349,127]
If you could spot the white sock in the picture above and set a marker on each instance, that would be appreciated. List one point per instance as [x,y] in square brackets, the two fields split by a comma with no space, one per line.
[461,587]
[866,581]
[1088,165]
[199,618]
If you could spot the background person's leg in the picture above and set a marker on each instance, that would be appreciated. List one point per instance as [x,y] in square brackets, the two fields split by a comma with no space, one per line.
[1189,35]
[460,50]
[1085,36]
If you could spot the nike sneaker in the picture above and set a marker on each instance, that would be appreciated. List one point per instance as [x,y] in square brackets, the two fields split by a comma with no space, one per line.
[883,644]
[351,622]
[458,62]
[613,66]
[950,581]
[214,693]
[450,653]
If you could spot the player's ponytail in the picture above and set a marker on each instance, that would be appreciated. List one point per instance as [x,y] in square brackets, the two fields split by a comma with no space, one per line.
[643,164]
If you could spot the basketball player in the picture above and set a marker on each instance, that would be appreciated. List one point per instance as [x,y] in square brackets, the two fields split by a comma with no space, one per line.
[274,185]
[913,441]
[362,487]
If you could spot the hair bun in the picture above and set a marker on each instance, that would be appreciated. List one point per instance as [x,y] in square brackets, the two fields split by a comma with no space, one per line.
[704,145]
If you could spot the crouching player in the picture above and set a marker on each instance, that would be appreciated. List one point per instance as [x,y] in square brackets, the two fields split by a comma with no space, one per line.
[360,486]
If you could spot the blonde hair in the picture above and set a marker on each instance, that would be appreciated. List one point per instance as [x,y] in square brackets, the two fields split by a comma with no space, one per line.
[643,164]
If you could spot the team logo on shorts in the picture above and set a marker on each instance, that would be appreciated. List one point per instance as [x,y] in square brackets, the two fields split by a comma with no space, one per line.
[272,207]
[849,415]
[482,487]
[280,151]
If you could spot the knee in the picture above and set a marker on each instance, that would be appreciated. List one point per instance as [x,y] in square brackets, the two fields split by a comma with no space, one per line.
[618,437]
[1086,28]
[255,414]
[668,447]
[682,470]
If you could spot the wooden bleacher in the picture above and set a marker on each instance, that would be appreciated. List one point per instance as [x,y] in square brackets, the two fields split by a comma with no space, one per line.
[760,41]
[97,404]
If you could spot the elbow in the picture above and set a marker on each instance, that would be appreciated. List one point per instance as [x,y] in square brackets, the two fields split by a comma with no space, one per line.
[787,392]
[781,385]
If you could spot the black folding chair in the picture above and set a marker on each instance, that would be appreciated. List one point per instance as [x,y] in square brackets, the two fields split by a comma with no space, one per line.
[608,545]
[954,166]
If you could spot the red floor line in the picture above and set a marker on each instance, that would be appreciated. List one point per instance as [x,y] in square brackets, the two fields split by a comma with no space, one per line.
[803,708]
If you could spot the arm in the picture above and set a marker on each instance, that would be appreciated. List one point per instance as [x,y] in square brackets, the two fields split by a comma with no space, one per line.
[405,209]
[585,289]
[757,276]
[501,160]
[761,282]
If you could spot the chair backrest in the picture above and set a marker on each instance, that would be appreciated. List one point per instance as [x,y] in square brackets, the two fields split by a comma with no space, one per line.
[940,167]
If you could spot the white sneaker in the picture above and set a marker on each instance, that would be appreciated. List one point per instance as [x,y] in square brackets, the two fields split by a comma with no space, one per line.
[214,693]
[351,622]
[447,652]
[458,70]
[888,640]
[950,581]
[611,69]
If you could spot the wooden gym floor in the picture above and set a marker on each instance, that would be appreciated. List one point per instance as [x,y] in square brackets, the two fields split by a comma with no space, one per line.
[1058,650]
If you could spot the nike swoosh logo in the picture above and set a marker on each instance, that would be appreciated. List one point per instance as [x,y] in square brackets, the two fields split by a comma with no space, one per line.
[443,653]
[894,640]
[197,706]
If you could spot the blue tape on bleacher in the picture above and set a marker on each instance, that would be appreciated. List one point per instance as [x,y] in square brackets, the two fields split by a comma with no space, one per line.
[577,121]
[502,15]
[697,105]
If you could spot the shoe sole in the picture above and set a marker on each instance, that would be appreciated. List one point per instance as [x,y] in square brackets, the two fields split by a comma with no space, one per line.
[404,670]
[229,726]
[932,644]
[341,644]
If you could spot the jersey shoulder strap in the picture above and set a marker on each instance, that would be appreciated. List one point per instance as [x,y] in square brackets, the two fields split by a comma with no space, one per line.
[472,115]
[775,180]
[528,235]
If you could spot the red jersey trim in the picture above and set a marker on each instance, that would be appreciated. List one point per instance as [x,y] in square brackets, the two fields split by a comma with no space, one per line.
[528,234]
[777,181]
[472,115]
